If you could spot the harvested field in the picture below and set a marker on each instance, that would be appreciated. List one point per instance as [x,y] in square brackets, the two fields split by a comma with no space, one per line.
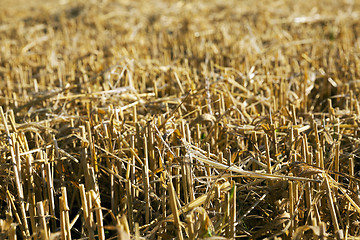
[179,119]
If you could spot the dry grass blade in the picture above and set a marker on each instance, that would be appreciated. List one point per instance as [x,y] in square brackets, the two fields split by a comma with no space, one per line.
[175,211]
[337,230]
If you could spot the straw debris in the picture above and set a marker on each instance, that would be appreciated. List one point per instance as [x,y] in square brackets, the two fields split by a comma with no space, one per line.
[179,119]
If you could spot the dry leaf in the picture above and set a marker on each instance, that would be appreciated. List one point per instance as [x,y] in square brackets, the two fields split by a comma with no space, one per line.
[204,118]
[302,169]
